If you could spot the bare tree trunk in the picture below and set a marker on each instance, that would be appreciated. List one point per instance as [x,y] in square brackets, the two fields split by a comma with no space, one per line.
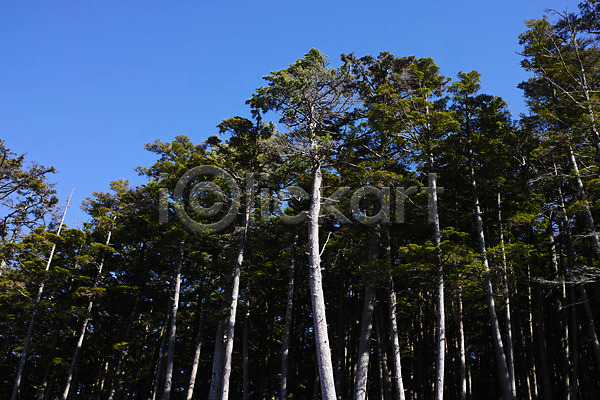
[469,382]
[441,309]
[324,362]
[173,323]
[161,355]
[197,351]
[566,367]
[573,256]
[36,306]
[503,373]
[233,304]
[288,322]
[531,344]
[364,346]
[510,354]
[217,368]
[392,303]
[462,351]
[88,316]
[565,342]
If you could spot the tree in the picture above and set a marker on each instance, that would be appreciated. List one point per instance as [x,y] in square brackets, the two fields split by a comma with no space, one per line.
[483,117]
[26,197]
[315,103]
[406,106]
[36,303]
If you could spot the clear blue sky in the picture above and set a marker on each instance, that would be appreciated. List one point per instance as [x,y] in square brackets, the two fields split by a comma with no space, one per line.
[84,85]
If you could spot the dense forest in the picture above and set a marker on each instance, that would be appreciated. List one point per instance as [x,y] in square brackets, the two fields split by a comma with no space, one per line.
[393,233]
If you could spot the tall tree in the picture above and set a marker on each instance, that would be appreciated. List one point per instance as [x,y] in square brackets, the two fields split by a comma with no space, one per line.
[482,117]
[36,303]
[405,104]
[315,102]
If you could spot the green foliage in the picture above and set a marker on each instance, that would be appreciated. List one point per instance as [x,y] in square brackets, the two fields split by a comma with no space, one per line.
[383,121]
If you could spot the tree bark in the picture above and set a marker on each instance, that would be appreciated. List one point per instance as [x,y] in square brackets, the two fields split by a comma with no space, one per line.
[441,309]
[173,323]
[233,303]
[217,368]
[324,362]
[197,351]
[510,353]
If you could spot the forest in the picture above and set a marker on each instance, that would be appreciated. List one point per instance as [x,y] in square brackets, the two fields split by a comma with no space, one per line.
[371,230]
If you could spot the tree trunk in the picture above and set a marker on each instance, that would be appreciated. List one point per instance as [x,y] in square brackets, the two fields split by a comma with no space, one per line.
[587,211]
[565,342]
[161,355]
[531,343]
[88,316]
[288,323]
[36,306]
[217,368]
[441,309]
[562,299]
[173,323]
[197,351]
[233,304]
[504,376]
[510,353]
[316,290]
[392,304]
[461,349]
[573,256]
[364,346]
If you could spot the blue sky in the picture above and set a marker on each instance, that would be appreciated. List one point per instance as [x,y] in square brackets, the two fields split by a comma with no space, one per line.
[84,85]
